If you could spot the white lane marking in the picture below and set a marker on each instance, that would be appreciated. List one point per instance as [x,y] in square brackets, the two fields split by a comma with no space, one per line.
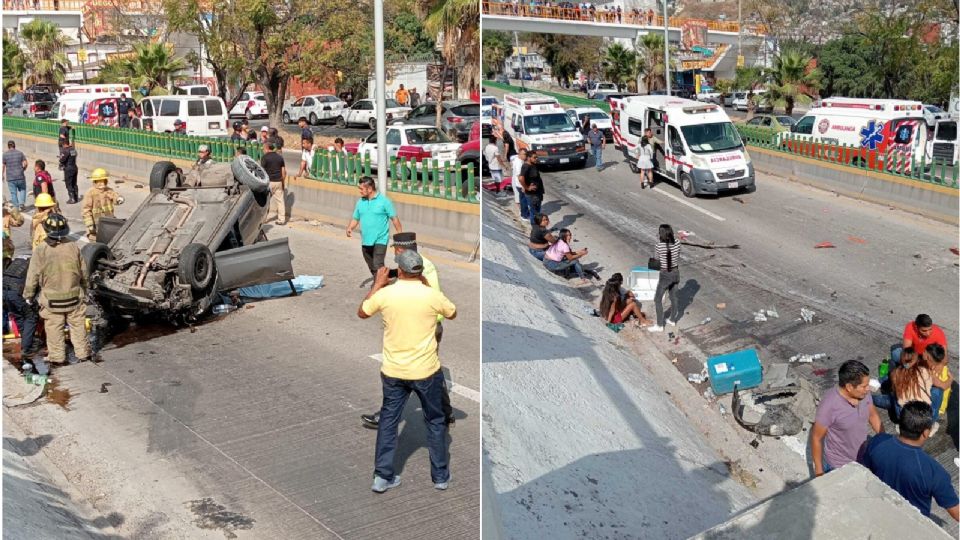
[688,203]
[464,391]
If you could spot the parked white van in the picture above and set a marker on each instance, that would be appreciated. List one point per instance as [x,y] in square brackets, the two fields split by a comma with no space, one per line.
[539,124]
[205,116]
[701,149]
[943,146]
[73,99]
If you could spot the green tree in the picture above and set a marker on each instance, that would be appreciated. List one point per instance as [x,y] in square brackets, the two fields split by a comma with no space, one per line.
[496,49]
[845,70]
[46,61]
[792,80]
[152,65]
[569,54]
[620,65]
[14,65]
[404,34]
[457,23]
[651,48]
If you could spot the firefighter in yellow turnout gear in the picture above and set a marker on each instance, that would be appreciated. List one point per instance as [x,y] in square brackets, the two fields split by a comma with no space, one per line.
[11,218]
[58,271]
[98,202]
[45,206]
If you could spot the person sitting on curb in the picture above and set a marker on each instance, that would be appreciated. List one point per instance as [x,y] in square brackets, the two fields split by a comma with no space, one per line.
[918,333]
[915,380]
[559,258]
[616,308]
[901,463]
[540,237]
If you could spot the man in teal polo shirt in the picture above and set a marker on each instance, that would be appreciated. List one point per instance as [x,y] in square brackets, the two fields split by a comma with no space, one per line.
[374,213]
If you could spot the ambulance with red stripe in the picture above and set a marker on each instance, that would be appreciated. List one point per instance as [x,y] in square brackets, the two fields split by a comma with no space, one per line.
[539,124]
[700,149]
[876,133]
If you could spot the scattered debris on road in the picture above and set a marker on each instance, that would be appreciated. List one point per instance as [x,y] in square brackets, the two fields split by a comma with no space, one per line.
[856,240]
[807,314]
[822,245]
[955,251]
[807,358]
[103,387]
[722,305]
[739,200]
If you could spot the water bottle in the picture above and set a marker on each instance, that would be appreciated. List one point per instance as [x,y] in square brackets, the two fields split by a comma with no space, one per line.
[220,309]
[884,369]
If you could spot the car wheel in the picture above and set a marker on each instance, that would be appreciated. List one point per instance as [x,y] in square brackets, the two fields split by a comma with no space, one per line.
[164,175]
[249,173]
[372,123]
[341,123]
[92,254]
[195,267]
[286,118]
[313,119]
[686,185]
[633,167]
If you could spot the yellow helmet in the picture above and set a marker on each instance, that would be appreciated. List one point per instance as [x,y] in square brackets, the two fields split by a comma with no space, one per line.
[44,200]
[99,174]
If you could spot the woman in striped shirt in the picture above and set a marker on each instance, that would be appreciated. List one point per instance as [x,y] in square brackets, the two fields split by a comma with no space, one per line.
[668,253]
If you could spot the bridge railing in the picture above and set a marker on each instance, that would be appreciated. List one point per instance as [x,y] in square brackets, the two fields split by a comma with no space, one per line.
[445,180]
[642,18]
[79,5]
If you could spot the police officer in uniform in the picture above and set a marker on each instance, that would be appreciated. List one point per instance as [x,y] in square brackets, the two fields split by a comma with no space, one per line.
[98,202]
[58,272]
[68,163]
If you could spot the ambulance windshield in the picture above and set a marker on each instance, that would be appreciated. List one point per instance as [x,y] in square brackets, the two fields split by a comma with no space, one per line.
[547,123]
[706,138]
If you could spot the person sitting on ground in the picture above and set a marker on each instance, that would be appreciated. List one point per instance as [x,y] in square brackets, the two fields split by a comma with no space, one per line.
[615,308]
[560,258]
[916,382]
[540,237]
[901,463]
[918,334]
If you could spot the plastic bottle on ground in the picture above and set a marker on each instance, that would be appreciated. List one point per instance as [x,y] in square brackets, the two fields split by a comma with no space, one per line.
[220,309]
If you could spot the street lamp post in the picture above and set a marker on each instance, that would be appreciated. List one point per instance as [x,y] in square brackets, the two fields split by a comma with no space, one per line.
[666,47]
[381,84]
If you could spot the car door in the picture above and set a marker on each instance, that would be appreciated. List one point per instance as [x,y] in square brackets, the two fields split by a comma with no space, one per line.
[307,107]
[368,149]
[674,153]
[394,141]
[296,110]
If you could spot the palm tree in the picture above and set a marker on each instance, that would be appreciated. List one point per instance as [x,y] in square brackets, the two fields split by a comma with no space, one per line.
[793,80]
[620,65]
[651,46]
[456,23]
[14,65]
[46,61]
[496,48]
[748,79]
[152,65]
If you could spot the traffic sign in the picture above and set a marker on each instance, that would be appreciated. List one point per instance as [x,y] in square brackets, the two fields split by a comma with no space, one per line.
[82,55]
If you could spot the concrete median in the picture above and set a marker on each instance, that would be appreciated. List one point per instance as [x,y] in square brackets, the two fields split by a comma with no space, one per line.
[438,222]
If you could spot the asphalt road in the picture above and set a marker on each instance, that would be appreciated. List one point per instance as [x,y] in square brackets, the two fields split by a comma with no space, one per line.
[887,267]
[249,424]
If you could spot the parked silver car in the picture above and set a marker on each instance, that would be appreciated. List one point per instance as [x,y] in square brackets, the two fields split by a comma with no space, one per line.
[456,117]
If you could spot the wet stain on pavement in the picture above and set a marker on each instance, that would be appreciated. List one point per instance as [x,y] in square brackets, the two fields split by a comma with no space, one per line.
[213,516]
[11,353]
[57,395]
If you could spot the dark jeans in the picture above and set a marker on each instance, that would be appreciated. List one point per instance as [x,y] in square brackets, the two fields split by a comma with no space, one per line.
[538,253]
[667,283]
[533,203]
[70,179]
[123,120]
[524,205]
[447,408]
[562,266]
[15,307]
[888,402]
[395,394]
[374,256]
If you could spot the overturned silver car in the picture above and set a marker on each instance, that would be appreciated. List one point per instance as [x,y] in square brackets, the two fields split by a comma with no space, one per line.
[195,235]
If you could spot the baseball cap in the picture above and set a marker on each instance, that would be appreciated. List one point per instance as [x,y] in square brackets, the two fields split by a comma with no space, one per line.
[264,128]
[178,122]
[203,148]
[410,262]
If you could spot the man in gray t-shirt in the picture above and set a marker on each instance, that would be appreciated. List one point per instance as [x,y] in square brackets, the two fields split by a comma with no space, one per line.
[14,165]
[597,142]
[844,416]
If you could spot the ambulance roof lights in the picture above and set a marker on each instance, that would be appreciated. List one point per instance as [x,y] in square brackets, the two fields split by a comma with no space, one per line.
[700,109]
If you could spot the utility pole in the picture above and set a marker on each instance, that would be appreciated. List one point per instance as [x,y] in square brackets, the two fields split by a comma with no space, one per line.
[381,84]
[666,47]
[739,28]
[516,42]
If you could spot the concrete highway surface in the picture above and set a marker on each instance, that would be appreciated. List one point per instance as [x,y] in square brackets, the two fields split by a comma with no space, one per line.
[248,424]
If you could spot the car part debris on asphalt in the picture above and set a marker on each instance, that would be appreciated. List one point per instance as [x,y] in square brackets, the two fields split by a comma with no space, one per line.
[807,314]
[822,245]
[807,358]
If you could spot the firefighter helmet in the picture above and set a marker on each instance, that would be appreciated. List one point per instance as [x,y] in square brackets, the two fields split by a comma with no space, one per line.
[44,200]
[56,227]
[99,175]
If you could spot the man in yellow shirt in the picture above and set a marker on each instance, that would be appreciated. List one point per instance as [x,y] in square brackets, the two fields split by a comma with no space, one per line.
[410,364]
[403,241]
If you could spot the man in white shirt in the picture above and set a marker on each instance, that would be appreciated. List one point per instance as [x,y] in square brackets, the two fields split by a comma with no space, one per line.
[519,197]
[306,158]
[494,161]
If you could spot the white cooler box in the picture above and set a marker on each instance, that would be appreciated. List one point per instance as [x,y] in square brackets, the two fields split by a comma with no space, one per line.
[643,282]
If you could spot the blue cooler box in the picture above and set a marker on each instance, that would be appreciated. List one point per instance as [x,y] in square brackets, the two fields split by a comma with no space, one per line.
[741,368]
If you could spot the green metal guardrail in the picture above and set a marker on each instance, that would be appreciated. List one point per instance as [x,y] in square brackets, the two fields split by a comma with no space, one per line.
[451,181]
[939,172]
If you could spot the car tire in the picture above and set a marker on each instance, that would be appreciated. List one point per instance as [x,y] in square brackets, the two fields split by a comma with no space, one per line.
[286,118]
[341,123]
[160,176]
[92,254]
[313,119]
[372,123]
[249,173]
[195,267]
[686,185]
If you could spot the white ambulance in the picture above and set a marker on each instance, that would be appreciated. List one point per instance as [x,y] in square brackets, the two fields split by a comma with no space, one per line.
[73,99]
[700,149]
[890,130]
[539,124]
